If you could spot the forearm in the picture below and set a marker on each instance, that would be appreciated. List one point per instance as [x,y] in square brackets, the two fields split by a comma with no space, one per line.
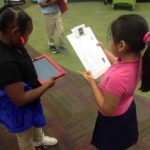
[33,94]
[110,56]
[20,97]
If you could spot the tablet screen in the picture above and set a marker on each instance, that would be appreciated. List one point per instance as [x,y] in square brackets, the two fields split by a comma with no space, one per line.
[47,68]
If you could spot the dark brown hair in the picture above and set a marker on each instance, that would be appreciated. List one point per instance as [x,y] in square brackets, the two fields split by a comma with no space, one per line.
[132,28]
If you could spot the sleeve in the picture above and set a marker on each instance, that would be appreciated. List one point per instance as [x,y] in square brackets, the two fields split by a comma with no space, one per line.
[116,86]
[9,73]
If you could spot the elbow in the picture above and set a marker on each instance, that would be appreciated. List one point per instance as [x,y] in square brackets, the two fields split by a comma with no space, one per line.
[107,112]
[19,102]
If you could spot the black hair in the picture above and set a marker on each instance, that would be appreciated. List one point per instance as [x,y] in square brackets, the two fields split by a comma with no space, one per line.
[132,28]
[9,14]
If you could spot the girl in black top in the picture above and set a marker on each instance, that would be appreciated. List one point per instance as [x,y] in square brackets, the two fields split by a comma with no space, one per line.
[20,107]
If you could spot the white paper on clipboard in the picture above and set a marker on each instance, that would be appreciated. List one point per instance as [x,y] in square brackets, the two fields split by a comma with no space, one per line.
[92,56]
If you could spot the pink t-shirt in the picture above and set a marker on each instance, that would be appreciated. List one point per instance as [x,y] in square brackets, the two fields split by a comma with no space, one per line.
[121,80]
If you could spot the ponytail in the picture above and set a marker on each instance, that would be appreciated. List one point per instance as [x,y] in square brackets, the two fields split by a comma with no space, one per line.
[145,78]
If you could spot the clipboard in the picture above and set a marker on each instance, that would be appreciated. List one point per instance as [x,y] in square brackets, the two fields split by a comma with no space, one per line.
[47,68]
[91,56]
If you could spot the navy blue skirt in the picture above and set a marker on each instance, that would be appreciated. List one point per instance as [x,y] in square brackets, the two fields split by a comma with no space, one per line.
[116,133]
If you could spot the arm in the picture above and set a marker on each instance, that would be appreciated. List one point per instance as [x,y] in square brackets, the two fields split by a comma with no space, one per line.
[107,103]
[109,54]
[20,97]
[47,3]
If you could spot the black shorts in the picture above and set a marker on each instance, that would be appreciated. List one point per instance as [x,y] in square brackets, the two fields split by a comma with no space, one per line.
[116,133]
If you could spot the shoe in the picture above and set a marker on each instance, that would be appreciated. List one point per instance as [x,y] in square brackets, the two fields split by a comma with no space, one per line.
[46,141]
[62,49]
[53,49]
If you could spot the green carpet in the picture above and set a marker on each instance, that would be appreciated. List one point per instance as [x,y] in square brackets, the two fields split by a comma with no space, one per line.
[94,14]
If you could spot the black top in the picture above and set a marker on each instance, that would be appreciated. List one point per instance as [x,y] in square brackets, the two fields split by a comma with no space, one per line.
[16,65]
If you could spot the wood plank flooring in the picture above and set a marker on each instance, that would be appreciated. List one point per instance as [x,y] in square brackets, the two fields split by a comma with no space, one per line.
[71,112]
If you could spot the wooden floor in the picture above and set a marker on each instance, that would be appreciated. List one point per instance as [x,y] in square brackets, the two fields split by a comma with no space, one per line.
[71,112]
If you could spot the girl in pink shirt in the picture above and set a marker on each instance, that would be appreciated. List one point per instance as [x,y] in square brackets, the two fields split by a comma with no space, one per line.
[116,124]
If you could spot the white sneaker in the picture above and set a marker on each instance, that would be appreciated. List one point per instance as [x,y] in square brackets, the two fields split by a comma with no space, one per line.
[47,141]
